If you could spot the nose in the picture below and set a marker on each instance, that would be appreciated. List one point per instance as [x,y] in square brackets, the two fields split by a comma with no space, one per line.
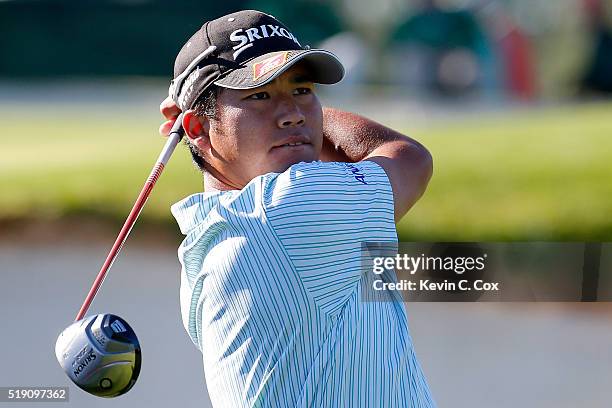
[290,115]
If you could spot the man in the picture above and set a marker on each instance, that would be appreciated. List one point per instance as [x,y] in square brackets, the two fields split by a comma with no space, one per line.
[271,284]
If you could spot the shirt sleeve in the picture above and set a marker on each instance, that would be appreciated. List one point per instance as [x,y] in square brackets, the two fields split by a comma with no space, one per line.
[323,212]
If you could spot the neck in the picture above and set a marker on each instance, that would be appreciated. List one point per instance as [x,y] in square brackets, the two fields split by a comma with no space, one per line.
[211,183]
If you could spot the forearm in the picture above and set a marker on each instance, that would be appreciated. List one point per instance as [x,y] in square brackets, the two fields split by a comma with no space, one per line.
[349,137]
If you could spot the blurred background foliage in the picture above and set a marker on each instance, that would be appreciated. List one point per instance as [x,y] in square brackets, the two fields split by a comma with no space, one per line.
[511,97]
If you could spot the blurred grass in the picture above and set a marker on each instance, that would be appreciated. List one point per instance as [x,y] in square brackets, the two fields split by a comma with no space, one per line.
[544,174]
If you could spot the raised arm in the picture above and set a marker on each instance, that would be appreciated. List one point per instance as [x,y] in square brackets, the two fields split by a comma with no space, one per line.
[351,138]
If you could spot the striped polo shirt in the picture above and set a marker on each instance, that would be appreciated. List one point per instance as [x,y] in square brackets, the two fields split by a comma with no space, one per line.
[272,292]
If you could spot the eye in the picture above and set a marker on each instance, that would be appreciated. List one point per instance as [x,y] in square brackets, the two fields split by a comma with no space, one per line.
[259,95]
[302,91]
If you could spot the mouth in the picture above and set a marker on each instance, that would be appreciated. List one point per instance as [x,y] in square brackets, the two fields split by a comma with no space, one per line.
[292,142]
[291,145]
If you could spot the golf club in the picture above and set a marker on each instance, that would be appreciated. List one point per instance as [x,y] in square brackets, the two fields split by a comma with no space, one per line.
[101,353]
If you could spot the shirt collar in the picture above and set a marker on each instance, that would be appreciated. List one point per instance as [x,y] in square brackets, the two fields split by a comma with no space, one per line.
[191,211]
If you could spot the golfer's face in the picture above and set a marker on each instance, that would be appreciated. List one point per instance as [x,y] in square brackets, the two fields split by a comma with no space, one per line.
[267,129]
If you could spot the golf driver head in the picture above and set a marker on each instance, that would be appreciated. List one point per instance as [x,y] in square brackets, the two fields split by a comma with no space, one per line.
[100,354]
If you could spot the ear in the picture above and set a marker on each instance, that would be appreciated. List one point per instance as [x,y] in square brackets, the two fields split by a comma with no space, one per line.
[196,129]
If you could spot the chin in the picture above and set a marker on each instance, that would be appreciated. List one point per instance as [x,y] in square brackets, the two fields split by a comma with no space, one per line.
[279,159]
[282,167]
[296,160]
[283,163]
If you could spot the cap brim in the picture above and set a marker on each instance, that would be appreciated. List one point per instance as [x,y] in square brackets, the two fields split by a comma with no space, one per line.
[323,68]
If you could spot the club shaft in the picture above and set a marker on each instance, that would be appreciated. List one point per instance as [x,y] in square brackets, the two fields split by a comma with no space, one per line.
[174,138]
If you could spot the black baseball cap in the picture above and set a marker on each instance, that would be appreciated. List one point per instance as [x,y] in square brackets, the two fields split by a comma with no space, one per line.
[244,50]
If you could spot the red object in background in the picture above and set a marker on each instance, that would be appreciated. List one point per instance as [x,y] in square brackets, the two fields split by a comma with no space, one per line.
[519,64]
[593,8]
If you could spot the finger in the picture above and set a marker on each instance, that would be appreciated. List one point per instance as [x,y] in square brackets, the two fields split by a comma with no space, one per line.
[165,127]
[169,109]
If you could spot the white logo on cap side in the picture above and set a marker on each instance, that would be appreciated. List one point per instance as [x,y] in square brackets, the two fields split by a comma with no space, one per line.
[176,86]
[246,37]
[188,88]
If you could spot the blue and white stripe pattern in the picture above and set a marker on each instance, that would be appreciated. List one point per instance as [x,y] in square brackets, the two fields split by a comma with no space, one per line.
[272,285]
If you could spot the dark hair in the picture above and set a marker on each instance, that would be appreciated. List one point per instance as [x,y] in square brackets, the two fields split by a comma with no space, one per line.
[205,105]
